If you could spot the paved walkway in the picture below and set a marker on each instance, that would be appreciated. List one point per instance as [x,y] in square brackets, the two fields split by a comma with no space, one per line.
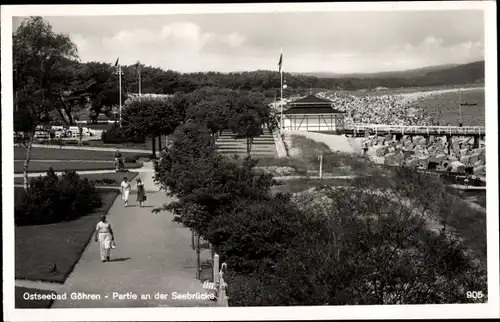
[153,255]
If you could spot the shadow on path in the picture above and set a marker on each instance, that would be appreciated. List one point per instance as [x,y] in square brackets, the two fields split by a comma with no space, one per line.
[121,259]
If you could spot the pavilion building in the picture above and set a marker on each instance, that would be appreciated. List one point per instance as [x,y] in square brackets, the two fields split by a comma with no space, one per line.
[314,114]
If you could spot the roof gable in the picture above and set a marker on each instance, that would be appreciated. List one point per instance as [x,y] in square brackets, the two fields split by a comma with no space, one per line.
[311,99]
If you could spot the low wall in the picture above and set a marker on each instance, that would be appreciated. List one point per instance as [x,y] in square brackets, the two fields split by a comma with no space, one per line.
[280,145]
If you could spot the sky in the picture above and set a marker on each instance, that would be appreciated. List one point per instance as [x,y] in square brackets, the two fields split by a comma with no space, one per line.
[336,42]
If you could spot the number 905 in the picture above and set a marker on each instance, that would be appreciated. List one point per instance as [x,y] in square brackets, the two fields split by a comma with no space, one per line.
[475,295]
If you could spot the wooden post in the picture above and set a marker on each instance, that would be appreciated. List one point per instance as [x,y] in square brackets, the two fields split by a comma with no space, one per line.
[216,269]
[198,264]
[320,166]
[221,294]
[192,239]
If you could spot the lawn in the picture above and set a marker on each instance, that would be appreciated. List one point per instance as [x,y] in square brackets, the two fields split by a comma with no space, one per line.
[21,303]
[68,154]
[100,179]
[77,166]
[49,252]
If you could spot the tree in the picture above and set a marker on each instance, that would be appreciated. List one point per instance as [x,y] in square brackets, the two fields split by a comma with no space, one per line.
[212,113]
[151,117]
[102,88]
[248,116]
[247,125]
[191,145]
[38,53]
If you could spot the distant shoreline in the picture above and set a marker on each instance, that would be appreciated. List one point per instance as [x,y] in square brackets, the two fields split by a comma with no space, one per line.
[413,91]
[420,94]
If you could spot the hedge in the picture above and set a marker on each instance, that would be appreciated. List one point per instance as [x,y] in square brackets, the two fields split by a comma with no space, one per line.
[50,199]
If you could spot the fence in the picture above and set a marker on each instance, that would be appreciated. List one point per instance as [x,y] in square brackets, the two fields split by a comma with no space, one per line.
[218,284]
[455,130]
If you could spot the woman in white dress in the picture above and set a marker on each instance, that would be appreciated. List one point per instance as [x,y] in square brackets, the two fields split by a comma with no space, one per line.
[125,189]
[104,235]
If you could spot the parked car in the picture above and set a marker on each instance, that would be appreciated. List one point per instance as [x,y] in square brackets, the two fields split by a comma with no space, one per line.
[42,134]
[73,131]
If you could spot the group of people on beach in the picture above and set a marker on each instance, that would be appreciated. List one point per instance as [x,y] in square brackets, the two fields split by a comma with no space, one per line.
[103,232]
[382,109]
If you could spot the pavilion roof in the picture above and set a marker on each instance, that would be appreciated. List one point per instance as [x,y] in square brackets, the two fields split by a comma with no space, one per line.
[311,104]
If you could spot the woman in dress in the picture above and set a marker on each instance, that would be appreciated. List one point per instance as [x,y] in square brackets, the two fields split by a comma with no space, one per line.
[125,189]
[141,193]
[104,235]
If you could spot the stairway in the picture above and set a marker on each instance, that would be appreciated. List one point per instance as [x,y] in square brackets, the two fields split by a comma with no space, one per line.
[287,140]
[263,146]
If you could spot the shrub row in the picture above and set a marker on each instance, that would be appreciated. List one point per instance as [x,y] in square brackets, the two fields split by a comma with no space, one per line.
[115,135]
[50,199]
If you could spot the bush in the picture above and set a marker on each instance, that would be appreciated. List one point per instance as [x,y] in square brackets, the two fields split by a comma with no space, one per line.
[299,164]
[130,159]
[252,236]
[362,245]
[51,199]
[106,181]
[115,135]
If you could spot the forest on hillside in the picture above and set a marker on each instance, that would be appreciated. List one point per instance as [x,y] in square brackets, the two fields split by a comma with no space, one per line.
[155,80]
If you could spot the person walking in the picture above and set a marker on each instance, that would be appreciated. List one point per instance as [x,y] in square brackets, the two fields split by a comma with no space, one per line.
[105,237]
[80,135]
[125,189]
[365,148]
[118,160]
[141,193]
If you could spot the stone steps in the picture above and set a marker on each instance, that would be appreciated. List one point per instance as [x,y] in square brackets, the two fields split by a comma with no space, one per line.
[262,146]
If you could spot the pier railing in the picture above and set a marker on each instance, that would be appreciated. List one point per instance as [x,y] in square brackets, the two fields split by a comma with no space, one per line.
[403,129]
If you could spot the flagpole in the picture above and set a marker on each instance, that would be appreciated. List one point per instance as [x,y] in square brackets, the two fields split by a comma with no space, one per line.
[120,91]
[139,83]
[139,72]
[281,91]
[281,101]
[460,104]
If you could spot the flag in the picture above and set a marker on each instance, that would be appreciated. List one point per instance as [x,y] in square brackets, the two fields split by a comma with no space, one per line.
[280,61]
[116,64]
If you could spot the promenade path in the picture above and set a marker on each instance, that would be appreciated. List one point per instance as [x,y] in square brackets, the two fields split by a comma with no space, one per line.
[153,255]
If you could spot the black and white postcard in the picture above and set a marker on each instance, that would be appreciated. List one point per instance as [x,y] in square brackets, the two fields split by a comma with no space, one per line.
[227,161]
